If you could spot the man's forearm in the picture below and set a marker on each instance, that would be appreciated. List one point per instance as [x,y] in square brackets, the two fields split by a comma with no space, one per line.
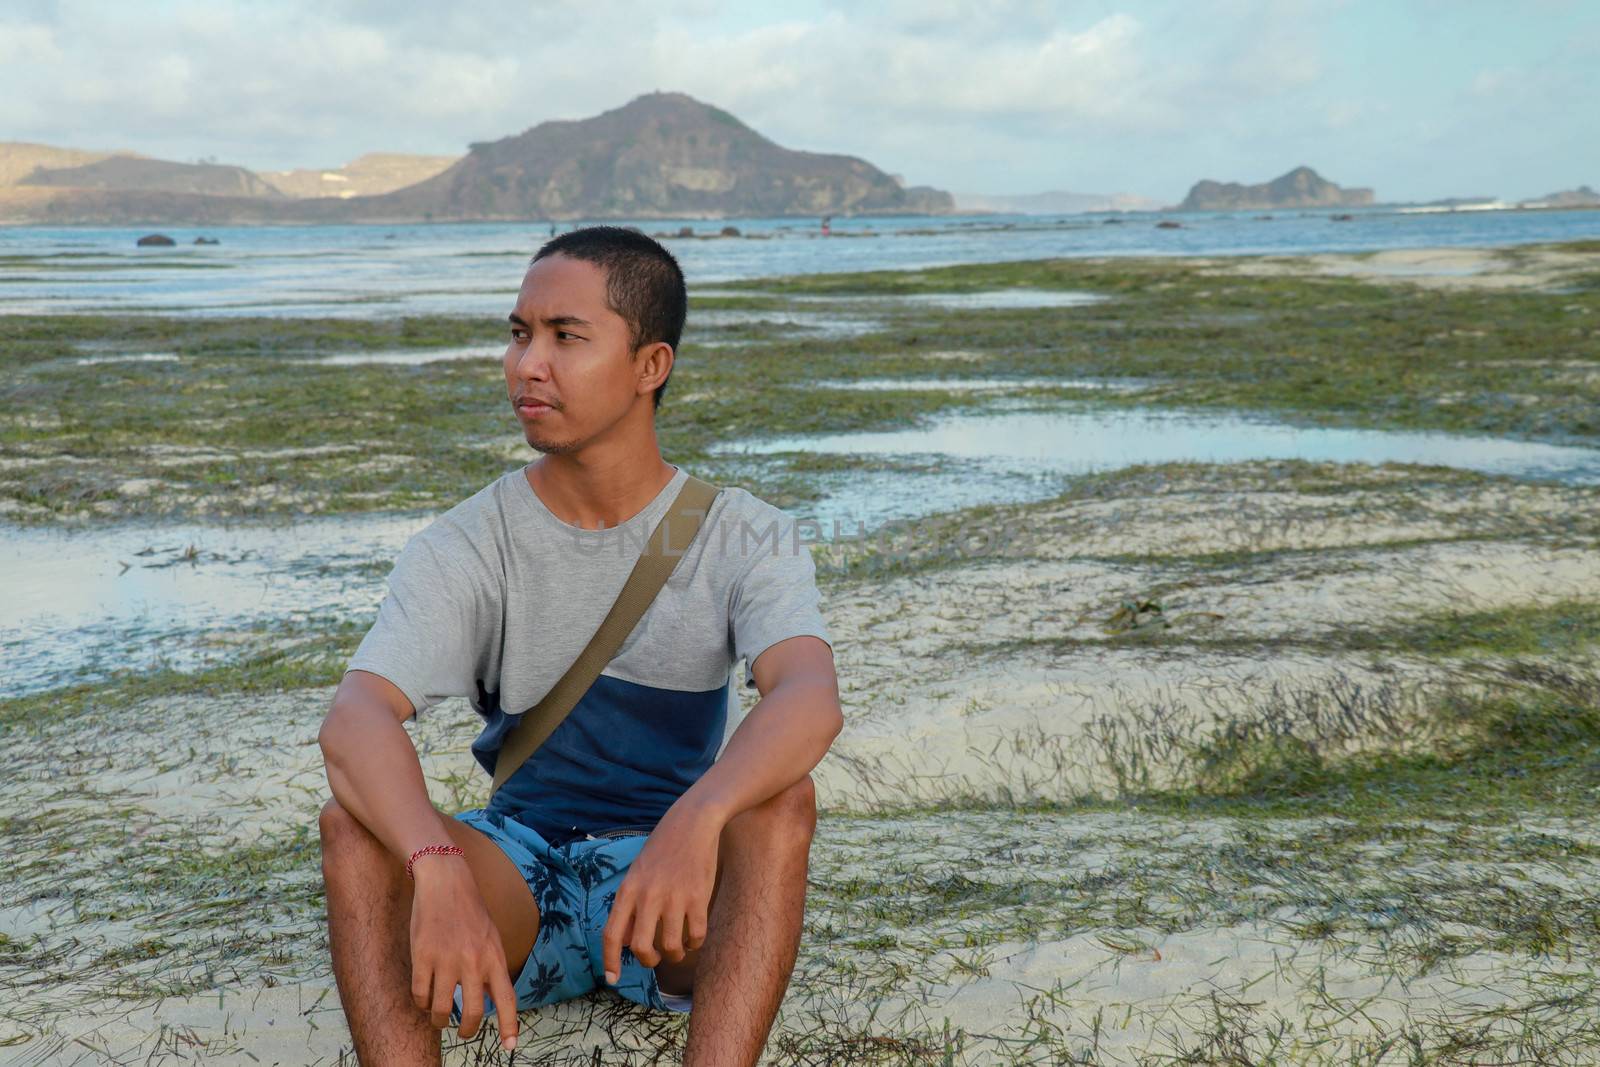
[376,776]
[785,735]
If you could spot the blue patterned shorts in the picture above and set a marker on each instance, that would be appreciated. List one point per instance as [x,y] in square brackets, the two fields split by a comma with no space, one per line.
[574,885]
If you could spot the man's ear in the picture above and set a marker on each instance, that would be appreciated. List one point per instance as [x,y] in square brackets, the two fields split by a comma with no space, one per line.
[655,363]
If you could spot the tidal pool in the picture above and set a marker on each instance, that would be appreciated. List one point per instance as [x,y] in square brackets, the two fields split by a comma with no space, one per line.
[1030,454]
[969,385]
[990,299]
[409,356]
[82,603]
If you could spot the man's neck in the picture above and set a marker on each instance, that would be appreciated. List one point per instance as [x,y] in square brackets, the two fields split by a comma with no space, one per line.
[595,492]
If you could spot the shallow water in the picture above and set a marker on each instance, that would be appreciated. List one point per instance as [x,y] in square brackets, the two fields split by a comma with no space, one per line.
[968,385]
[1041,449]
[409,356]
[81,603]
[1017,299]
[474,268]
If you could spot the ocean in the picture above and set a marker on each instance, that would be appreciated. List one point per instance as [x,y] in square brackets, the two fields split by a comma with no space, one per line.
[375,271]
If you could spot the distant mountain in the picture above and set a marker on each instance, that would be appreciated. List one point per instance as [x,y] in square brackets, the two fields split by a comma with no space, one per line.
[135,173]
[659,155]
[1582,196]
[373,174]
[1301,187]
[19,159]
[662,155]
[1054,203]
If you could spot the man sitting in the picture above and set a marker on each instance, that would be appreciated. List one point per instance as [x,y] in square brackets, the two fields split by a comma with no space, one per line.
[640,849]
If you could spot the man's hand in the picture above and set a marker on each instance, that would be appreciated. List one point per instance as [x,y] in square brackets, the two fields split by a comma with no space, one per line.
[454,941]
[668,885]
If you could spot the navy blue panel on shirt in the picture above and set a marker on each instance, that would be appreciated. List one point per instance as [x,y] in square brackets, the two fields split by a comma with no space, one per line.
[620,758]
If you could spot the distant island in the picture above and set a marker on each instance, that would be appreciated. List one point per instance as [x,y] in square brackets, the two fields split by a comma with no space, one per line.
[661,155]
[1300,187]
[1582,196]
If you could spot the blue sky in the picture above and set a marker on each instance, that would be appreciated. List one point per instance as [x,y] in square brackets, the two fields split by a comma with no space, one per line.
[1417,100]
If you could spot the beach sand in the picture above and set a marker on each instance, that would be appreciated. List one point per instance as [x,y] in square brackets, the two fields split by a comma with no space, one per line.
[981,890]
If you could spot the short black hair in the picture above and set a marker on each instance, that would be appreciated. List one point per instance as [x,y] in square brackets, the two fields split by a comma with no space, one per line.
[644,283]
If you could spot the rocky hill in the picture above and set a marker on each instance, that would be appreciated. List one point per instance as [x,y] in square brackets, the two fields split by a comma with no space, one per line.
[137,174]
[662,155]
[1582,196]
[373,174]
[19,159]
[1301,187]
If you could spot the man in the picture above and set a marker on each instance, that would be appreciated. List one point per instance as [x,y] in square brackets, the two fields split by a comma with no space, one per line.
[627,853]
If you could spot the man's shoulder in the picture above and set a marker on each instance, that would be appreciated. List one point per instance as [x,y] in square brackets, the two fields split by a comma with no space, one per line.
[465,531]
[743,526]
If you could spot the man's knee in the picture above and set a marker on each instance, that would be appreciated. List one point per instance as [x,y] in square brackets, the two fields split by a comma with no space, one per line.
[789,817]
[343,835]
[335,820]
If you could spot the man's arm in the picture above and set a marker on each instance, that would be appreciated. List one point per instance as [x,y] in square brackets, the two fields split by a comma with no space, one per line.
[373,767]
[783,738]
[785,735]
[376,776]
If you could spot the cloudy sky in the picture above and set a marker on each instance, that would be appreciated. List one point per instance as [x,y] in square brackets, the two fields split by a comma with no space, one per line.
[1416,98]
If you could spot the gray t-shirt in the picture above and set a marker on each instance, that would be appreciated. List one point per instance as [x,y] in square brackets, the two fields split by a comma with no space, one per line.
[496,597]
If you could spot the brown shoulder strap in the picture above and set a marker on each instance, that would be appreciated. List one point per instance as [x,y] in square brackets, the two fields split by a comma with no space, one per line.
[681,522]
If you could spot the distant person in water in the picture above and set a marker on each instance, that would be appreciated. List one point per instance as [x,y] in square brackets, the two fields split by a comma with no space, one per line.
[641,850]
[827,228]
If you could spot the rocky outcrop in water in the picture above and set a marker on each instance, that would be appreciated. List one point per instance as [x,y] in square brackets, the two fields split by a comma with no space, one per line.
[1301,187]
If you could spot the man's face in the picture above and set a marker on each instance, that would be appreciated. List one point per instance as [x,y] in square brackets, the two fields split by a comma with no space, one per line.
[570,371]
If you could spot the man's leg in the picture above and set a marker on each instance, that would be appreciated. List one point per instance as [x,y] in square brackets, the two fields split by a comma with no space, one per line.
[740,973]
[369,932]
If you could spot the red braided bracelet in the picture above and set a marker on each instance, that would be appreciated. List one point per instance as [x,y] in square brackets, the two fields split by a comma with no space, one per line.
[432,850]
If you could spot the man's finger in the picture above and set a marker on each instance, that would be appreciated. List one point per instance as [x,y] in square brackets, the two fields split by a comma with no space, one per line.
[471,1005]
[671,943]
[619,927]
[421,984]
[444,999]
[505,1006]
[697,927]
[643,942]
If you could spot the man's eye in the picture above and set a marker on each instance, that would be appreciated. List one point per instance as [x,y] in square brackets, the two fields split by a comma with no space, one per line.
[519,336]
[564,334]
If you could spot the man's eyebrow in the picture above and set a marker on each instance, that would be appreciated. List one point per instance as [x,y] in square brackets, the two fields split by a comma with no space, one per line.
[551,320]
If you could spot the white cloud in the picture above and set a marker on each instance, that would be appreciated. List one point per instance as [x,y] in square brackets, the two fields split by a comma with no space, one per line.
[1008,95]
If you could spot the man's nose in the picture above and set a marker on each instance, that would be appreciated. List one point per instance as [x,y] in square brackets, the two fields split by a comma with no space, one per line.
[534,361]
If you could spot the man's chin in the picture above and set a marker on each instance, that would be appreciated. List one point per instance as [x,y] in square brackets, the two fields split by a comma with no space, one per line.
[549,447]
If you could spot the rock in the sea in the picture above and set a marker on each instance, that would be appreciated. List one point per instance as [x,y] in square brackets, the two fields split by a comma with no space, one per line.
[730,231]
[685,231]
[158,239]
[1168,224]
[1301,187]
[207,241]
[1341,218]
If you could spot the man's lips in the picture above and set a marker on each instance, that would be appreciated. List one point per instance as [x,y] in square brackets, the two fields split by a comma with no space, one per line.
[533,405]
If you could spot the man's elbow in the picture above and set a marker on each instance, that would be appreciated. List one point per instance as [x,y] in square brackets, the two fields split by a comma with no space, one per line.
[829,712]
[835,718]
[334,735]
